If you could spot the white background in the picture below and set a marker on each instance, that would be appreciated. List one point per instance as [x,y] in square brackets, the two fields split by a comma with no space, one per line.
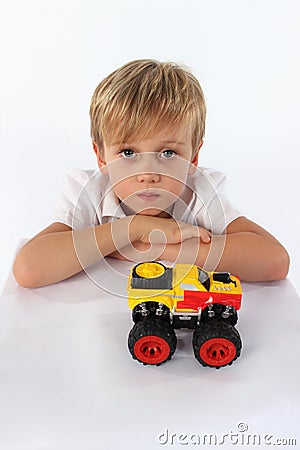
[245,54]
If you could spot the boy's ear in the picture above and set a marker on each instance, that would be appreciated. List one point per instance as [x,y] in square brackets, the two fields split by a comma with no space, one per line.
[100,158]
[194,161]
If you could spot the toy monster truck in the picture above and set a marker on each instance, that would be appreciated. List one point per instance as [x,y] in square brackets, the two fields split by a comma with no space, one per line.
[185,296]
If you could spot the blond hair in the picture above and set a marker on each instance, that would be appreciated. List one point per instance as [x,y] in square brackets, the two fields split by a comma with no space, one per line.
[143,97]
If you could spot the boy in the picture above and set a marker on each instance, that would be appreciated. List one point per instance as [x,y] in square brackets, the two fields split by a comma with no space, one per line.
[149,200]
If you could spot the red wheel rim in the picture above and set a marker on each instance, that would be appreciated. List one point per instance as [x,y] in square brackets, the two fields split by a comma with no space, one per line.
[151,349]
[217,352]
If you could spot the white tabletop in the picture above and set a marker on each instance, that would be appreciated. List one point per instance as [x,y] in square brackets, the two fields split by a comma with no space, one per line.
[68,382]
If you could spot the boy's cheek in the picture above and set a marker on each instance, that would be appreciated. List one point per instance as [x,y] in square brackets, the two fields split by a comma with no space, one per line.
[122,184]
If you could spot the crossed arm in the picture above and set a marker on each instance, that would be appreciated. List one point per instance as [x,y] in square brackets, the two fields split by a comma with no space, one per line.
[58,252]
[245,249]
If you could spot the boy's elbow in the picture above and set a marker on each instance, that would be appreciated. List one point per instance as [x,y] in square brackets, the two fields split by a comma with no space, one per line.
[25,275]
[279,265]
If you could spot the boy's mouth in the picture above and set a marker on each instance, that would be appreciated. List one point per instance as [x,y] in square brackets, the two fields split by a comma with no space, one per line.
[148,196]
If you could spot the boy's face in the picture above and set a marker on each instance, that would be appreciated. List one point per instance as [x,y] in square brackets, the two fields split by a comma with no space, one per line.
[149,175]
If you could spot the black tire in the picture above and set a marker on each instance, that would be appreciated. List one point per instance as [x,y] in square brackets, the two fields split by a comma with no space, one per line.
[152,342]
[216,344]
[218,310]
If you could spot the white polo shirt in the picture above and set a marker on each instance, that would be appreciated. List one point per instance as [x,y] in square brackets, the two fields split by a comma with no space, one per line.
[87,200]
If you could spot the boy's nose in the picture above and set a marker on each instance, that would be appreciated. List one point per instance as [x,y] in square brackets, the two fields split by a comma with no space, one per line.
[149,177]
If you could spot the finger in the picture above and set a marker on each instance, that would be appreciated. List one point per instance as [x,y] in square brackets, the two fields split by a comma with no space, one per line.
[189,232]
[204,235]
[205,238]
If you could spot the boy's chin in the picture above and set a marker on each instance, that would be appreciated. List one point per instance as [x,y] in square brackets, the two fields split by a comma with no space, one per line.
[150,212]
[154,213]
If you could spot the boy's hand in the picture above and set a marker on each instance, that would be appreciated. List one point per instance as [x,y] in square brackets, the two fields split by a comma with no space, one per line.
[157,230]
[152,235]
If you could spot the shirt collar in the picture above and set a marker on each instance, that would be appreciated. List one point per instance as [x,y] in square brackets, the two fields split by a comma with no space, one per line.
[110,205]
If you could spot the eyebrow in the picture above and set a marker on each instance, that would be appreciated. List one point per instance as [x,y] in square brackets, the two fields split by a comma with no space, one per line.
[173,142]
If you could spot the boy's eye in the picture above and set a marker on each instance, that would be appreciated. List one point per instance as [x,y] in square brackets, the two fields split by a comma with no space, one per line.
[167,154]
[127,153]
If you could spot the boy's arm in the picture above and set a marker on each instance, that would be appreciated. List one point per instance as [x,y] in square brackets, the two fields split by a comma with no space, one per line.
[58,252]
[245,249]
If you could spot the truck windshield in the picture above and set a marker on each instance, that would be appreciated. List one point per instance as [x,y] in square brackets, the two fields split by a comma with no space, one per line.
[203,277]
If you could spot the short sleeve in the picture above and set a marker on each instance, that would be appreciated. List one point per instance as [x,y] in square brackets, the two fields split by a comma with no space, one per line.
[75,207]
[219,214]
